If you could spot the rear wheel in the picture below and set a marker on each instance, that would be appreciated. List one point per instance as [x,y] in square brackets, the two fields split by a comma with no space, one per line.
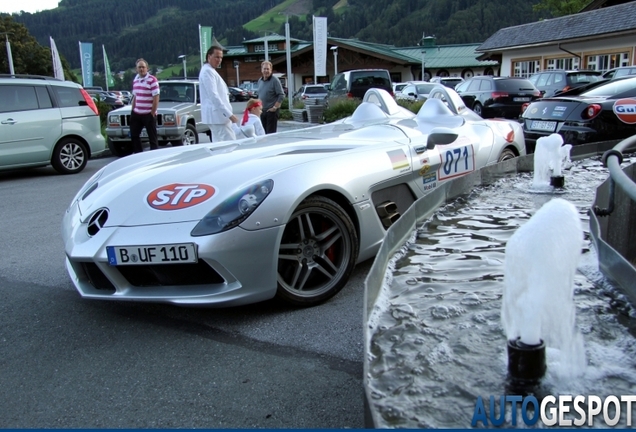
[317,253]
[478,109]
[189,137]
[120,148]
[69,156]
[506,154]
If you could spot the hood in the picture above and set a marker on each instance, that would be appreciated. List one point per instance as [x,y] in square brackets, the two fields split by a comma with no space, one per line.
[163,106]
[183,184]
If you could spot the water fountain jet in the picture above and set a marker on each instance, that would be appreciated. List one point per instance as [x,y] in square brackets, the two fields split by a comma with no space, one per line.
[549,157]
[537,305]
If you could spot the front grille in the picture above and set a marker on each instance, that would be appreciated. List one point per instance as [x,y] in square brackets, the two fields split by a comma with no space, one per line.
[124,120]
[170,274]
[96,277]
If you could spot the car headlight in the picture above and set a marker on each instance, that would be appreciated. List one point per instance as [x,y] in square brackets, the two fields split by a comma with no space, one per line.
[169,119]
[113,120]
[88,187]
[234,210]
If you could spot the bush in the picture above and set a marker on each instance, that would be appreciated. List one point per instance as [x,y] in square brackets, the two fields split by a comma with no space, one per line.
[340,109]
[413,106]
[285,114]
[103,109]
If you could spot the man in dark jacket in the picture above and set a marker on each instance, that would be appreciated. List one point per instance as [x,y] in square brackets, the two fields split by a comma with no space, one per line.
[270,92]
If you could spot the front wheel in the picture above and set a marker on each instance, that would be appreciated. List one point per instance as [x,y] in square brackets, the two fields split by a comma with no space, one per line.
[69,156]
[189,137]
[317,253]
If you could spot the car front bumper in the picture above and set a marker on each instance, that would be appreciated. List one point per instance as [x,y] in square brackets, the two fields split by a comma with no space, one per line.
[163,133]
[234,267]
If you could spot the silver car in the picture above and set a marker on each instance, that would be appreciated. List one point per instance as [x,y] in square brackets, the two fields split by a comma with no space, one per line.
[45,121]
[286,214]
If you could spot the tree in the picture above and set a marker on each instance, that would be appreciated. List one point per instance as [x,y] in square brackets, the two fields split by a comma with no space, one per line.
[29,57]
[560,7]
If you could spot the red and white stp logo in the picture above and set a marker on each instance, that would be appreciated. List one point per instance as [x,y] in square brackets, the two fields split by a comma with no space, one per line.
[179,196]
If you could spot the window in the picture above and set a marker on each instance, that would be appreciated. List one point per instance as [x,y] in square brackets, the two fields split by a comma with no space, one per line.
[607,61]
[17,98]
[524,69]
[567,63]
[68,96]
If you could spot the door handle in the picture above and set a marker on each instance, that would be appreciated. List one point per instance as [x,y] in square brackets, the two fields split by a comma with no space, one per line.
[8,121]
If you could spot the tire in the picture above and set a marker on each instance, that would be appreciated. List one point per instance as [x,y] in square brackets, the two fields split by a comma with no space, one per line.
[506,154]
[69,156]
[317,253]
[120,148]
[478,109]
[190,137]
[232,98]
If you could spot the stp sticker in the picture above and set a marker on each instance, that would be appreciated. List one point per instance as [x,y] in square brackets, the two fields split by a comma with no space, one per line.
[625,110]
[179,196]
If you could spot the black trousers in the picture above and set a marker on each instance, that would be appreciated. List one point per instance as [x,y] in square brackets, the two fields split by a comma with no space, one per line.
[137,123]
[270,121]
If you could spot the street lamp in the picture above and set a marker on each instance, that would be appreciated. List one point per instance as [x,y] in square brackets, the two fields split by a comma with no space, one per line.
[334,49]
[9,56]
[185,72]
[423,64]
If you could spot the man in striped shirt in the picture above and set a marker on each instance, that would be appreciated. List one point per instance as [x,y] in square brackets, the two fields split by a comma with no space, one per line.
[144,107]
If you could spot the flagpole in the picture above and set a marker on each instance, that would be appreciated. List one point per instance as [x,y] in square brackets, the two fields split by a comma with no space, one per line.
[105,67]
[201,54]
[82,62]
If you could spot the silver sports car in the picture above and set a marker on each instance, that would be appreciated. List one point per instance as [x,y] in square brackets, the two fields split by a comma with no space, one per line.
[287,215]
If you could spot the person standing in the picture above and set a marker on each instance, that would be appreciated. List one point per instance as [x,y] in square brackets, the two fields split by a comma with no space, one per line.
[144,107]
[270,91]
[216,110]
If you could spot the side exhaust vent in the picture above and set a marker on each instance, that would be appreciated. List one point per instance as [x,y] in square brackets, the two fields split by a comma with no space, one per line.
[388,213]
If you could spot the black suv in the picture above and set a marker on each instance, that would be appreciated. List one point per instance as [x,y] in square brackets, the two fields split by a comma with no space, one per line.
[552,82]
[491,96]
[355,83]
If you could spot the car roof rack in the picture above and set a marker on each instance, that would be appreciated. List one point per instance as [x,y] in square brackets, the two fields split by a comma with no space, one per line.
[43,77]
[180,79]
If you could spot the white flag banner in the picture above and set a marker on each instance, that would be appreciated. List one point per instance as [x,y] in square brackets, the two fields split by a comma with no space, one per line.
[320,46]
[58,71]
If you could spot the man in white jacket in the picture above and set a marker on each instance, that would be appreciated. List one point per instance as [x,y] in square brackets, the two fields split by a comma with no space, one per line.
[216,110]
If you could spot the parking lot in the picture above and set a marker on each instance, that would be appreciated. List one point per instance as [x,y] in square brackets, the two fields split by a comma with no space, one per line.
[74,363]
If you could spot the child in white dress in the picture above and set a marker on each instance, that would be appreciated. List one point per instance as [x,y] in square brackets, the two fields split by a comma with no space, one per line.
[251,117]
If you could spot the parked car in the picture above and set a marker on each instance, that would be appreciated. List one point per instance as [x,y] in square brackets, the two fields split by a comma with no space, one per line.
[127,96]
[238,94]
[416,91]
[621,71]
[397,87]
[287,214]
[491,96]
[355,83]
[109,99]
[251,88]
[603,113]
[553,82]
[178,118]
[311,93]
[450,82]
[44,121]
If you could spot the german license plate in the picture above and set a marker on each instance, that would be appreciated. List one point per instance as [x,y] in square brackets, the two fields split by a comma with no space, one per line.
[521,99]
[543,125]
[155,254]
